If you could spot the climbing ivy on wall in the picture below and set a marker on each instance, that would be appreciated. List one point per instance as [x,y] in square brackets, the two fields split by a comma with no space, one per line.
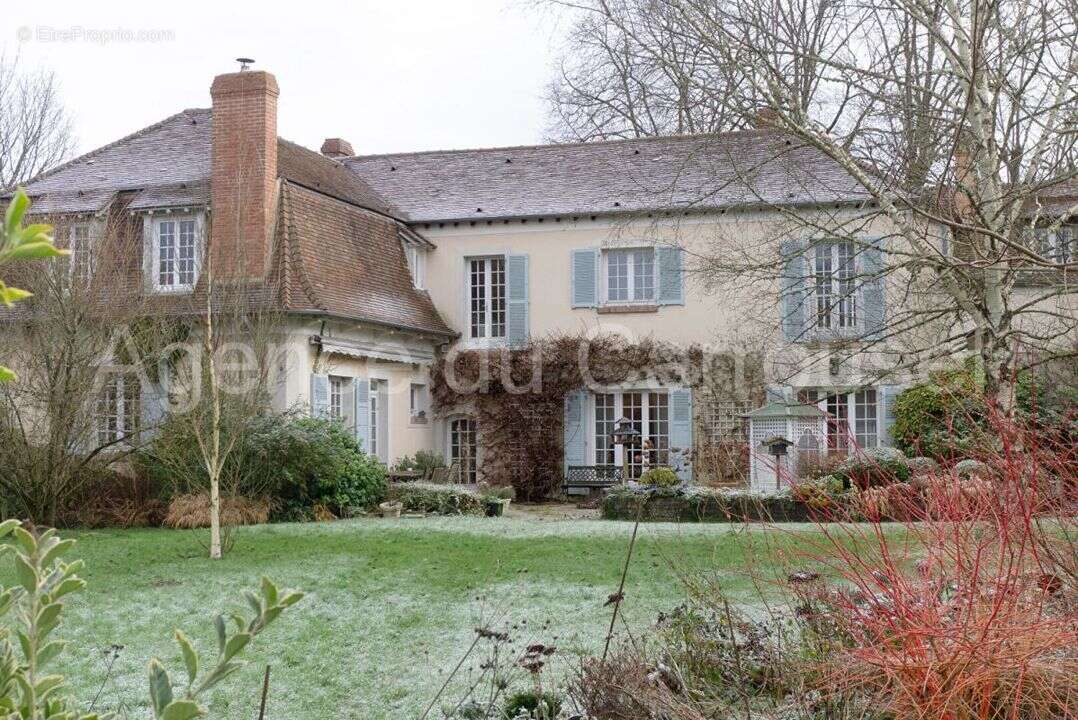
[517,396]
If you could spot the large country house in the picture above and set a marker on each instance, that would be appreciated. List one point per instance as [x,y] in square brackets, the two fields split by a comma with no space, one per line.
[380,263]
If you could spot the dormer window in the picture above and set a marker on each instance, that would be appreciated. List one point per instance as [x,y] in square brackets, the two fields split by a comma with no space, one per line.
[417,264]
[175,252]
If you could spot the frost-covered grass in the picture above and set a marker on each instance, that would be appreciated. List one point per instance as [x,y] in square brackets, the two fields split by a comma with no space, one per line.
[391,603]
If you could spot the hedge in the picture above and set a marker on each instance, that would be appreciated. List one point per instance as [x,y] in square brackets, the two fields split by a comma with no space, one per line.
[706,507]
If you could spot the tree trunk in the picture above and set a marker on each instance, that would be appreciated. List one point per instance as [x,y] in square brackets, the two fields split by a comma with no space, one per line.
[215,517]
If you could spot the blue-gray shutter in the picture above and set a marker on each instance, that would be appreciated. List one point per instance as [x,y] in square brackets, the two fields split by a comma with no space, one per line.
[362,412]
[516,274]
[887,396]
[575,445]
[319,396]
[794,277]
[671,275]
[681,430]
[153,397]
[584,278]
[872,292]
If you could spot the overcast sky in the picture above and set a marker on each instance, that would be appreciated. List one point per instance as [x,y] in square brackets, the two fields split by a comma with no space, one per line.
[386,75]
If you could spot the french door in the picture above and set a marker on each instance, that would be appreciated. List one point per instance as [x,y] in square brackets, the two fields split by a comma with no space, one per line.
[649,414]
[462,447]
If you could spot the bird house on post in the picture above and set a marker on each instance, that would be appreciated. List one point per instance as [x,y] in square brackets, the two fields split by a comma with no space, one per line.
[779,434]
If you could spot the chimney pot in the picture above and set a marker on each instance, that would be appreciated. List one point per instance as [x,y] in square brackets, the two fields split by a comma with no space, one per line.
[336,148]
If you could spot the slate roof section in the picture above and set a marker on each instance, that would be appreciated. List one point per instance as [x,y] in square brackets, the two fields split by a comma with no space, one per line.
[173,151]
[747,167]
[169,196]
[88,202]
[170,162]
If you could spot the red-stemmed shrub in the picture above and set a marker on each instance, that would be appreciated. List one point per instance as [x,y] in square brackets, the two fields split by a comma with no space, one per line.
[963,609]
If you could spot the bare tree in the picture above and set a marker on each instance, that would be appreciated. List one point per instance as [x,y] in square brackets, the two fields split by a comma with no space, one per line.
[635,68]
[77,402]
[222,378]
[956,121]
[35,130]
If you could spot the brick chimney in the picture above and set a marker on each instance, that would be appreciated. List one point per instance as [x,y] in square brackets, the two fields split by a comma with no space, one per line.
[244,173]
[766,118]
[337,148]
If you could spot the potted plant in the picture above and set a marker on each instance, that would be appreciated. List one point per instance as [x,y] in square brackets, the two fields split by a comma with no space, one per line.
[391,508]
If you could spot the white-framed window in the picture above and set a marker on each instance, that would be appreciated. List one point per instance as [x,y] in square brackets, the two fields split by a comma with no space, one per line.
[176,245]
[417,402]
[486,298]
[81,247]
[117,411]
[417,264]
[852,417]
[834,284]
[649,413]
[628,276]
[866,423]
[336,397]
[463,447]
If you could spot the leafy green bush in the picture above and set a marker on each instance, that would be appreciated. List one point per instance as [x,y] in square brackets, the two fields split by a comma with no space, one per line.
[938,419]
[661,477]
[437,499]
[298,463]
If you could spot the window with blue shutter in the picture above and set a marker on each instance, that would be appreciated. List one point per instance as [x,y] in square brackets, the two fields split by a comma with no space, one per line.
[154,402]
[362,400]
[671,276]
[319,396]
[584,278]
[575,439]
[793,282]
[517,291]
[681,431]
[873,288]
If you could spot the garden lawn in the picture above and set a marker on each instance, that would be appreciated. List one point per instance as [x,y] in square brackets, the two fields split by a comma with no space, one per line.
[390,607]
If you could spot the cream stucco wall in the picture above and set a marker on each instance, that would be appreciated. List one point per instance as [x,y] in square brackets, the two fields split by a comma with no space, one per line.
[302,359]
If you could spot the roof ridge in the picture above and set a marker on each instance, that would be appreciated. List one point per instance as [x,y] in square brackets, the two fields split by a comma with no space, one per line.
[589,143]
[126,138]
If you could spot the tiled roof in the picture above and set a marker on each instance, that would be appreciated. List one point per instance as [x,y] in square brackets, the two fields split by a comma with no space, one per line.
[703,171]
[348,262]
[318,172]
[338,246]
